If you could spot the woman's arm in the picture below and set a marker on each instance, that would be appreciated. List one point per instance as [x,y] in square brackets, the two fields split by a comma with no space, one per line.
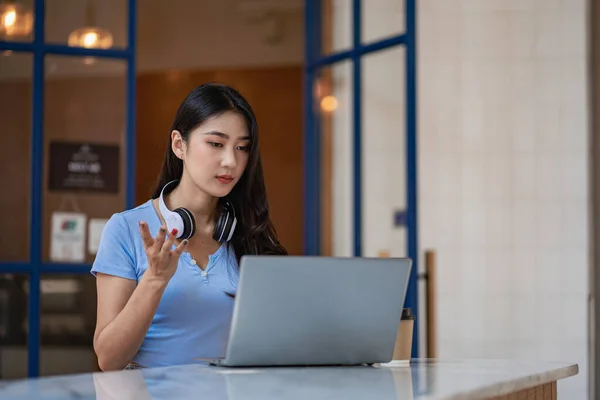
[125,313]
[126,308]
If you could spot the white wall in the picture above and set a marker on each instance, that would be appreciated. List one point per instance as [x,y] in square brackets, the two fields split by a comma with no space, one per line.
[503,192]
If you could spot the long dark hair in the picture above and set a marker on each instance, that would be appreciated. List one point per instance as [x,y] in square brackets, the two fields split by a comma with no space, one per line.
[254,233]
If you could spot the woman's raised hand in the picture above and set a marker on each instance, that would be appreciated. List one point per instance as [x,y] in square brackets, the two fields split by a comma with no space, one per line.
[162,261]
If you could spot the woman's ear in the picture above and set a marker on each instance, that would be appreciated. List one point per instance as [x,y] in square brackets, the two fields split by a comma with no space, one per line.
[177,144]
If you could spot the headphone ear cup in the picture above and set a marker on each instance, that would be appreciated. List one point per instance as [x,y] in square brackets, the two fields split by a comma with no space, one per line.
[189,224]
[224,224]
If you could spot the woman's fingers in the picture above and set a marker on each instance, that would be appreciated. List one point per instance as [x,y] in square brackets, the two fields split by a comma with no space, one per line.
[179,249]
[161,243]
[160,238]
[169,242]
[145,233]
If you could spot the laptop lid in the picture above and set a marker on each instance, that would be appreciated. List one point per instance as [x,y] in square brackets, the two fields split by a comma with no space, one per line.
[311,310]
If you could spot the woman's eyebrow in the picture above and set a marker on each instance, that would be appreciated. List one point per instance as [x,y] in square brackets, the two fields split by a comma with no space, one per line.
[217,133]
[224,135]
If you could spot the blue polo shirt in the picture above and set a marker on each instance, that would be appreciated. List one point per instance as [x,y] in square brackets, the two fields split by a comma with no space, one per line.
[194,315]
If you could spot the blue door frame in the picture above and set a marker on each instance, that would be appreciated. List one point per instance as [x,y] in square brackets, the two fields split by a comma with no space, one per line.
[35,266]
[314,61]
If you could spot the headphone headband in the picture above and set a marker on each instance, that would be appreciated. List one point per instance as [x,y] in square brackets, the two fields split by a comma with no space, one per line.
[229,209]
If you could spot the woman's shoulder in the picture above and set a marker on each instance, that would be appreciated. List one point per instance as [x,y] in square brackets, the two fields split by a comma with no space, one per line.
[118,251]
[127,221]
[133,216]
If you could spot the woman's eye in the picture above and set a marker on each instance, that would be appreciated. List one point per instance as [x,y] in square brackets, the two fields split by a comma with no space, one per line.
[243,148]
[215,144]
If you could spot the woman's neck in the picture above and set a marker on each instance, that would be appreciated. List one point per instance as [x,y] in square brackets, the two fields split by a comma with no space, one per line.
[188,195]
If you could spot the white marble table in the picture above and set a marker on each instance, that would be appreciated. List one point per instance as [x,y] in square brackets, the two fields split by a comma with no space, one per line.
[423,379]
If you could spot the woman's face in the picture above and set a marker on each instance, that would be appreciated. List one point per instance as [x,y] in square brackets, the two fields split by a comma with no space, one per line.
[216,153]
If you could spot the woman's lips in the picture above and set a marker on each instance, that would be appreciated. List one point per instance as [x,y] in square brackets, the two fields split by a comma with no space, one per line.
[225,179]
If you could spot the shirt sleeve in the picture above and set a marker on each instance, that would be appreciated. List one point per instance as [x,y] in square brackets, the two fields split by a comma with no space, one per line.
[116,250]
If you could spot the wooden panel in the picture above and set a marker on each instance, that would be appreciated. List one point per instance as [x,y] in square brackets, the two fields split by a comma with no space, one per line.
[431,316]
[76,109]
[275,95]
[94,109]
[542,392]
[15,164]
[91,109]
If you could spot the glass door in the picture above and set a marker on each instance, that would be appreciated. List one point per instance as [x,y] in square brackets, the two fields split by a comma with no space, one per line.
[67,87]
[360,132]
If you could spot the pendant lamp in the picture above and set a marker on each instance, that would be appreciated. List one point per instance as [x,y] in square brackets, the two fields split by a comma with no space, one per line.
[16,20]
[90,36]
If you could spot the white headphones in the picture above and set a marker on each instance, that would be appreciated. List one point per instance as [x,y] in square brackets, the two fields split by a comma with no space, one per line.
[183,220]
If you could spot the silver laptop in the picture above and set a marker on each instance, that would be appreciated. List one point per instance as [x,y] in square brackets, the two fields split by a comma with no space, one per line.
[311,310]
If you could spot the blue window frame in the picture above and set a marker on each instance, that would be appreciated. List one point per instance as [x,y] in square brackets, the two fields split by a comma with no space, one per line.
[314,61]
[35,266]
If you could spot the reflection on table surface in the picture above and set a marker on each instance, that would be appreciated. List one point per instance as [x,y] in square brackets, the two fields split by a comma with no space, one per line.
[201,382]
[439,379]
[233,384]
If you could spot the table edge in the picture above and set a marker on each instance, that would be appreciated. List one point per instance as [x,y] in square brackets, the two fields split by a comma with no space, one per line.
[514,385]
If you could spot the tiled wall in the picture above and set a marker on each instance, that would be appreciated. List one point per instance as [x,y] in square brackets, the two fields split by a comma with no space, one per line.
[503,195]
[503,161]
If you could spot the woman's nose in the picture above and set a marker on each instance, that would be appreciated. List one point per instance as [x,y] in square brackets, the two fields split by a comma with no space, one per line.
[228,159]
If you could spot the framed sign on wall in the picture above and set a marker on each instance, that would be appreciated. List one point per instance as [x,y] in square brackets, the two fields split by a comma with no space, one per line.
[79,166]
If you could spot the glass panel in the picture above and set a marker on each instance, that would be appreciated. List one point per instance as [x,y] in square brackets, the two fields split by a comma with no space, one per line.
[67,323]
[333,103]
[16,21]
[68,22]
[336,28]
[384,153]
[84,137]
[381,19]
[13,325]
[15,149]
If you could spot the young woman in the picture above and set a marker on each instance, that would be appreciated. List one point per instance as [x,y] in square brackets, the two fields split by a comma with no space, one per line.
[167,270]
